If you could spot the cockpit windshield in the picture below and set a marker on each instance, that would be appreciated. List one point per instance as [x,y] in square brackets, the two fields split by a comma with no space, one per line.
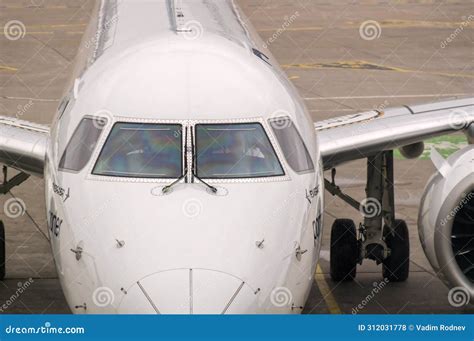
[218,151]
[140,150]
[229,151]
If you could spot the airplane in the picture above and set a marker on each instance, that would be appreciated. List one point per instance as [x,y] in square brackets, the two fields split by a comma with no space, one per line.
[184,175]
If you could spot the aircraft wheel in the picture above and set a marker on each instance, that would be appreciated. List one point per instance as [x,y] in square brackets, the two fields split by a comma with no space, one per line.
[344,250]
[2,251]
[396,266]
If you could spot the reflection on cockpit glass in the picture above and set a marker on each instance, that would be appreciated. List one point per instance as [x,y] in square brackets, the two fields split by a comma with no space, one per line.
[235,151]
[142,151]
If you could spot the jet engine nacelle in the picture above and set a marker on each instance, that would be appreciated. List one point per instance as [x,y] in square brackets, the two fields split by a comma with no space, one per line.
[446,220]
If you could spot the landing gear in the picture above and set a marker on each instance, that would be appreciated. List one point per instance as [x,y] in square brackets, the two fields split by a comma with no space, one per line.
[380,237]
[5,187]
[2,251]
[396,265]
[344,250]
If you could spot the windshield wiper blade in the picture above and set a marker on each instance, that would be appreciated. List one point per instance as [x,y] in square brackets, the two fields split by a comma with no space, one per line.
[212,188]
[193,171]
[167,188]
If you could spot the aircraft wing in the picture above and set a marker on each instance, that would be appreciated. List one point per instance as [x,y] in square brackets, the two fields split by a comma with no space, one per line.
[23,145]
[360,135]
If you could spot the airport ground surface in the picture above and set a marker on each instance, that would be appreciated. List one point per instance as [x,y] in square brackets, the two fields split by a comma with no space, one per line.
[337,71]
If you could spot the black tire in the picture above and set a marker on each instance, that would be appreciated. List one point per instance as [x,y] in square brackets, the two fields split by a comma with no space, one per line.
[2,251]
[344,250]
[396,266]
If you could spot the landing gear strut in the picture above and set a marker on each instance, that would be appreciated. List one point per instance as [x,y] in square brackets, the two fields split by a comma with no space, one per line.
[2,251]
[5,187]
[380,237]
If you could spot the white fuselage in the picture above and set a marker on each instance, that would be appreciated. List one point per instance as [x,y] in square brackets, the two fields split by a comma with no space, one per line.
[250,248]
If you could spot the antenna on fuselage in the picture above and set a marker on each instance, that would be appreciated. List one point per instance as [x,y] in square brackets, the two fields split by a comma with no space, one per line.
[177,17]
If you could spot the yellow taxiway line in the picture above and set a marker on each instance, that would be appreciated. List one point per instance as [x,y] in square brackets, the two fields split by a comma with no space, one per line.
[365,65]
[323,286]
[7,68]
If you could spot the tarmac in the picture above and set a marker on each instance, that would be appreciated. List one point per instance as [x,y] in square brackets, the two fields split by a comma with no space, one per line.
[344,57]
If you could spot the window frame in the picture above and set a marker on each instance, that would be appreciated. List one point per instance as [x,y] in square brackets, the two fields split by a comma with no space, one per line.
[92,156]
[267,135]
[104,138]
[308,171]
[109,132]
[190,123]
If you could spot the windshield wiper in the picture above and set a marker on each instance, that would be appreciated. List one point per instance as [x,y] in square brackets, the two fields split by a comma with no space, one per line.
[212,188]
[193,169]
[167,188]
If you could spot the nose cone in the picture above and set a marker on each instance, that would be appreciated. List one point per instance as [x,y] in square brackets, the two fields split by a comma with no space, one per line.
[189,291]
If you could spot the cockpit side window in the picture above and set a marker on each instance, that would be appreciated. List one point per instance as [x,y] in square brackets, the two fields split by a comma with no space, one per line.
[233,151]
[292,145]
[142,150]
[83,142]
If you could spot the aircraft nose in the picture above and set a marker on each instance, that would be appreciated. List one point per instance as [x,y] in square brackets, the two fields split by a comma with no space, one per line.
[189,291]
